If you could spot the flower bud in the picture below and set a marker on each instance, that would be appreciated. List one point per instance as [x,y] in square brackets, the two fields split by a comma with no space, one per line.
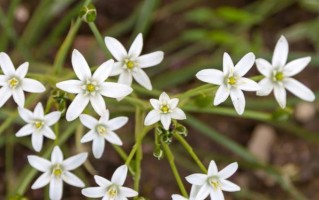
[158,153]
[182,130]
[88,13]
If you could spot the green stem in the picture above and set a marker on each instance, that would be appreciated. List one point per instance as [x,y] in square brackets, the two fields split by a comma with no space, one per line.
[99,39]
[139,116]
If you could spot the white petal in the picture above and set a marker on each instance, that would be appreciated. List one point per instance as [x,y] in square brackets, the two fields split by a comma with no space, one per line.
[3,80]
[117,123]
[88,121]
[89,136]
[245,64]
[103,71]
[115,90]
[238,99]
[228,64]
[166,121]
[18,97]
[113,138]
[141,77]
[212,168]
[155,103]
[296,66]
[125,78]
[173,103]
[136,47]
[178,114]
[117,69]
[72,179]
[94,192]
[280,55]
[25,130]
[5,94]
[128,192]
[248,85]
[105,115]
[194,190]
[77,106]
[280,95]
[42,181]
[221,94]
[25,114]
[116,48]
[204,192]
[229,186]
[228,171]
[52,118]
[299,89]
[22,70]
[57,155]
[164,98]
[196,179]
[74,161]
[6,64]
[178,197]
[103,182]
[47,132]
[98,147]
[212,76]
[39,163]
[34,86]
[98,103]
[217,195]
[266,87]
[56,189]
[70,86]
[264,67]
[38,111]
[80,66]
[119,175]
[37,141]
[150,59]
[152,117]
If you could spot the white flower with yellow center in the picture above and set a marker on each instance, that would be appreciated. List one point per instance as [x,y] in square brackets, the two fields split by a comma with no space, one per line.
[278,75]
[101,130]
[56,171]
[231,80]
[111,190]
[214,182]
[13,81]
[38,125]
[131,64]
[165,109]
[90,88]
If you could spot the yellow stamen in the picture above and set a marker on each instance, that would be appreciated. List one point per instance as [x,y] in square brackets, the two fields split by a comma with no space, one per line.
[214,182]
[232,80]
[13,82]
[130,64]
[164,109]
[90,87]
[38,124]
[112,192]
[57,171]
[101,129]
[279,76]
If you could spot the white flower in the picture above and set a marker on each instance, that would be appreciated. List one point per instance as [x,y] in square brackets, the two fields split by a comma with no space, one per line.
[38,125]
[56,171]
[131,64]
[192,195]
[90,88]
[231,80]
[214,182]
[101,130]
[278,75]
[14,81]
[165,109]
[111,190]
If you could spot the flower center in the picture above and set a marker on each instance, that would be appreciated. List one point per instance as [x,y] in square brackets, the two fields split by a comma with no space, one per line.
[90,87]
[112,192]
[13,82]
[57,171]
[278,76]
[232,80]
[38,124]
[164,108]
[214,182]
[101,130]
[129,64]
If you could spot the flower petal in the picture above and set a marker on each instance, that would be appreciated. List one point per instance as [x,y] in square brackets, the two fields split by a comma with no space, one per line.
[264,67]
[98,147]
[136,47]
[70,86]
[178,197]
[38,111]
[80,66]
[119,175]
[5,94]
[56,189]
[228,64]
[164,98]
[280,95]
[115,90]
[299,89]
[212,76]
[22,70]
[141,77]
[56,155]
[77,106]
[25,114]
[166,121]
[37,141]
[296,66]
[245,64]
[173,103]
[72,179]
[89,136]
[3,80]
[94,192]
[113,138]
[280,55]
[221,95]
[74,161]
[266,87]
[228,171]
[52,118]
[212,168]
[204,192]
[248,85]
[116,48]
[34,86]
[47,132]
[118,68]
[25,130]
[117,123]
[196,179]
[217,194]
[229,186]
[128,192]
[88,121]
[98,103]
[238,99]
[125,78]
[42,181]
[39,163]
[18,97]
[152,117]
[6,64]
[103,71]
[150,59]
[155,103]
[178,114]
[103,182]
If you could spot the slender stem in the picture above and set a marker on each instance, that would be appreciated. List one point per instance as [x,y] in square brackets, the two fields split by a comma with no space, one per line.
[139,115]
[170,158]
[99,39]
[191,152]
[9,162]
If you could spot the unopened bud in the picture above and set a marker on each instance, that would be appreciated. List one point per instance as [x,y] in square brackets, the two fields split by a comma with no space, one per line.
[88,13]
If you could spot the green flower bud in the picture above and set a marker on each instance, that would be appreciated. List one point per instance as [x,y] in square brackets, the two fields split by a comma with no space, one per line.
[158,153]
[88,13]
[182,130]
[60,98]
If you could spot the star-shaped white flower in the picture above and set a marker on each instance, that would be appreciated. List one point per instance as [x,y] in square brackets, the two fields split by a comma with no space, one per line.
[38,125]
[131,64]
[111,190]
[214,182]
[231,80]
[192,195]
[101,130]
[13,81]
[165,109]
[90,88]
[278,75]
[56,171]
